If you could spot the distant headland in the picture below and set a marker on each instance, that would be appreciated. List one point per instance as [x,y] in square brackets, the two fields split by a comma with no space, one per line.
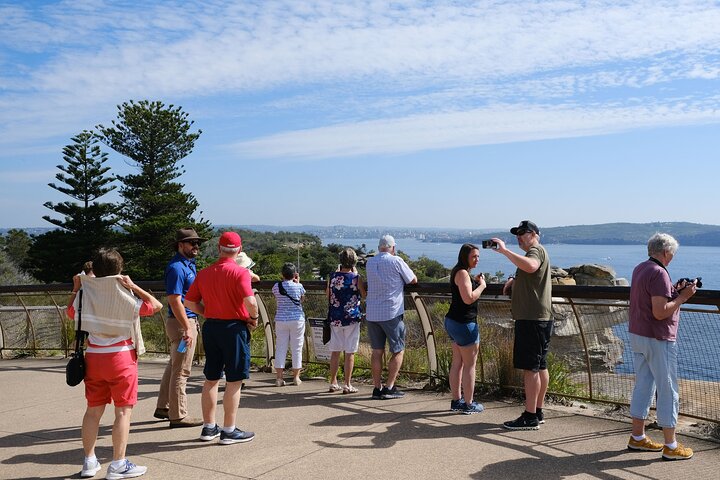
[690,234]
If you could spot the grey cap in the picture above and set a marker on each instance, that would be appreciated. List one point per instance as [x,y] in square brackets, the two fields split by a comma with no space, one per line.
[386,241]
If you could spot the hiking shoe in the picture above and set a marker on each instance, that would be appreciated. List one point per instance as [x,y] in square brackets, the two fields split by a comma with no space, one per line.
[644,445]
[208,433]
[678,453]
[238,436]
[162,413]
[388,393]
[526,421]
[90,468]
[186,422]
[377,394]
[457,405]
[469,409]
[126,470]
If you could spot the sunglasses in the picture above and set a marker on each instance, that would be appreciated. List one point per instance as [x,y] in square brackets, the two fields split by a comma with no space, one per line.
[194,243]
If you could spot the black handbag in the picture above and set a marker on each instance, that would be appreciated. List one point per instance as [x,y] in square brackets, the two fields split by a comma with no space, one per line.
[326,322]
[75,368]
[326,330]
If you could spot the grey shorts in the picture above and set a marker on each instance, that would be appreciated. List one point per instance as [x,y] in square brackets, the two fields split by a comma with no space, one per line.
[391,330]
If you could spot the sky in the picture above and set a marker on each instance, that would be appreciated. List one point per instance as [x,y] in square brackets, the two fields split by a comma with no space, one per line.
[374,113]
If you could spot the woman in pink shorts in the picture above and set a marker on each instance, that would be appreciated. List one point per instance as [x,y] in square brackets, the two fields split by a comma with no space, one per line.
[111,307]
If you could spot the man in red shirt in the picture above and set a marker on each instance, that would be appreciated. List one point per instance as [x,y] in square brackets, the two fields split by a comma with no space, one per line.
[223,295]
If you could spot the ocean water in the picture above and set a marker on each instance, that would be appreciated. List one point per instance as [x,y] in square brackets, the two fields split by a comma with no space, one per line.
[698,342]
[688,262]
[697,346]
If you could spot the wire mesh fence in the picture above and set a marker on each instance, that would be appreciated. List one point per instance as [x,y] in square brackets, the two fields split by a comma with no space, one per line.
[590,355]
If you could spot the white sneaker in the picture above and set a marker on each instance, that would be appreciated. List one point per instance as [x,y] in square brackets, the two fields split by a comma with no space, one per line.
[126,470]
[90,469]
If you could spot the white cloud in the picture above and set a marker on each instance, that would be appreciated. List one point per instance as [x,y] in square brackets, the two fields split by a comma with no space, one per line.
[493,125]
[368,60]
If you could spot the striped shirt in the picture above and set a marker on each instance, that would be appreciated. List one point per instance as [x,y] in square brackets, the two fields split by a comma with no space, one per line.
[387,275]
[287,310]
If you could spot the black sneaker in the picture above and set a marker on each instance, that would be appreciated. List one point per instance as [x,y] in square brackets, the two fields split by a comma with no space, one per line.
[540,416]
[238,436]
[209,433]
[526,421]
[377,394]
[388,393]
[457,405]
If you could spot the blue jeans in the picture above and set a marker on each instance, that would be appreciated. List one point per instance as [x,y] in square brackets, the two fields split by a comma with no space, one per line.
[655,368]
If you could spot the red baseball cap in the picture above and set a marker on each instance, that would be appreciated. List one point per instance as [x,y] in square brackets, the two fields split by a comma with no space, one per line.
[230,240]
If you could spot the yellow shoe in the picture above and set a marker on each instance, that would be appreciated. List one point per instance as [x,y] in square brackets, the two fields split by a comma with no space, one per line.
[678,453]
[644,445]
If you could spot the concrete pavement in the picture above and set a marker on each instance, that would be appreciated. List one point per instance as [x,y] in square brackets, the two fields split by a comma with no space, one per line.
[306,433]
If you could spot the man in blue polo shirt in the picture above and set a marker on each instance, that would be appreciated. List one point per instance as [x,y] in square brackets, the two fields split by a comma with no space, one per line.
[181,325]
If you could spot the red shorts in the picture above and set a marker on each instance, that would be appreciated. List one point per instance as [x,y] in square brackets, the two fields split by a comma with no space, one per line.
[111,376]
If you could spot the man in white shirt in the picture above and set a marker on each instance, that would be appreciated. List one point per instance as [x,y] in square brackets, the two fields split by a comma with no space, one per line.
[387,275]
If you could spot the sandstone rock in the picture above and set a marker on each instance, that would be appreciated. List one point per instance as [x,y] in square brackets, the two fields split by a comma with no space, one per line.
[558,272]
[593,270]
[585,279]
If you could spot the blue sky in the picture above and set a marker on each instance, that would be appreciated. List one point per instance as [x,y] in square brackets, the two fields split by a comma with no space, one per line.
[441,114]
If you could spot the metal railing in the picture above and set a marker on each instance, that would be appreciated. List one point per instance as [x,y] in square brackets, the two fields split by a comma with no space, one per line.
[590,357]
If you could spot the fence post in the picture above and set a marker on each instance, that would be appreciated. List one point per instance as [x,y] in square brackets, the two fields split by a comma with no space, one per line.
[585,347]
[267,329]
[427,332]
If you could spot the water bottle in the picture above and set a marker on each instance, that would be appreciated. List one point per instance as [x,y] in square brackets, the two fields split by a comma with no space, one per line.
[182,347]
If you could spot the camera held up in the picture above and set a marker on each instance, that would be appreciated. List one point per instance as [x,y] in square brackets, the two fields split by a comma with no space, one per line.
[489,244]
[698,281]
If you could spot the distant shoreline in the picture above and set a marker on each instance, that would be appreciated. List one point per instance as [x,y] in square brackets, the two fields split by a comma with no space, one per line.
[689,234]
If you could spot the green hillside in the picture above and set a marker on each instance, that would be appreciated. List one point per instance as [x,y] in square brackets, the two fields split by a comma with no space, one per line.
[691,234]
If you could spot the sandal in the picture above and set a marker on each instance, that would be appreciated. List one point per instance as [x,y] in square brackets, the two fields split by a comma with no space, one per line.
[349,389]
[334,387]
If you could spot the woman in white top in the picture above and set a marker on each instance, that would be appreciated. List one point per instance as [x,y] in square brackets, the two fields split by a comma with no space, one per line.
[289,323]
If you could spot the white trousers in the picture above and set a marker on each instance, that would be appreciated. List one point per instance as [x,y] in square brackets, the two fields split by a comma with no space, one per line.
[290,334]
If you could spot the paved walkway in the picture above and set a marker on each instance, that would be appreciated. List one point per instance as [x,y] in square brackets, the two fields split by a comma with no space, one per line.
[306,433]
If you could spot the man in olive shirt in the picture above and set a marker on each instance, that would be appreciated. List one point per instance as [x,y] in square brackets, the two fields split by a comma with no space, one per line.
[531,307]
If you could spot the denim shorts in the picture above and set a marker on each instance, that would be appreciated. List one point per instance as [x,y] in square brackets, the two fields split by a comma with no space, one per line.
[532,342]
[227,347]
[463,334]
[391,330]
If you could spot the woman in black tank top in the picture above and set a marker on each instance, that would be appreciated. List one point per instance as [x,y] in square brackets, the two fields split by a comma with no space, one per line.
[461,325]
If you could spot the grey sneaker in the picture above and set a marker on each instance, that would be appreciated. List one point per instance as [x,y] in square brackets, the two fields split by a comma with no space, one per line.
[474,407]
[126,470]
[90,469]
[208,433]
[388,393]
[457,405]
[238,436]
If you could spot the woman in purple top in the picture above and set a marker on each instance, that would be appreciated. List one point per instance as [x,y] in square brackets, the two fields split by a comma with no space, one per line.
[345,290]
[654,315]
